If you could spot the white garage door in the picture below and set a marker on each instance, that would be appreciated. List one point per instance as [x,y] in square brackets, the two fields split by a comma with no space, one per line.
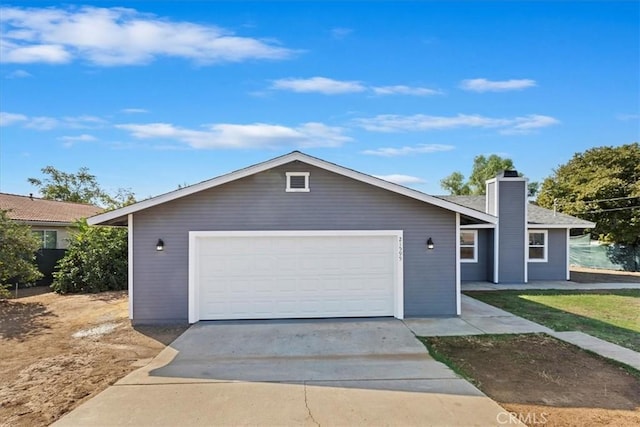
[268,275]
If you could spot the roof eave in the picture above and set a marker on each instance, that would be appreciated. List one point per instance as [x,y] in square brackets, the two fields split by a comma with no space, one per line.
[119,214]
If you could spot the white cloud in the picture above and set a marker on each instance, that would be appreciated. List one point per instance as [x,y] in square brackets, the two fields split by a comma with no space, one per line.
[18,74]
[401,179]
[134,110]
[71,140]
[404,90]
[340,33]
[422,122]
[484,85]
[80,138]
[42,123]
[256,135]
[119,36]
[49,123]
[405,151]
[625,117]
[522,125]
[7,119]
[319,85]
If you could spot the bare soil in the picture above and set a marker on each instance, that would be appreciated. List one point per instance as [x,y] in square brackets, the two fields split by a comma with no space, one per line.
[594,275]
[544,381]
[58,351]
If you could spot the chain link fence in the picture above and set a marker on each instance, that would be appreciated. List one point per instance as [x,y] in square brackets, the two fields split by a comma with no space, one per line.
[584,252]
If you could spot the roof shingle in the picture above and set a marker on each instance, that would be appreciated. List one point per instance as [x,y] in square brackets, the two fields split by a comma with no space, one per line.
[535,213]
[33,209]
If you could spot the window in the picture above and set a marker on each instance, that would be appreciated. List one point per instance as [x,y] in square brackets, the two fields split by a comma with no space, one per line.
[297,181]
[469,245]
[538,246]
[48,238]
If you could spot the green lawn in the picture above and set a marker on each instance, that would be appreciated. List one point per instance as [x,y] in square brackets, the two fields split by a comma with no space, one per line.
[612,315]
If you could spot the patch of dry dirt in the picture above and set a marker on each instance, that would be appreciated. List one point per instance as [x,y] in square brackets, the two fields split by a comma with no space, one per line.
[594,275]
[546,381]
[58,351]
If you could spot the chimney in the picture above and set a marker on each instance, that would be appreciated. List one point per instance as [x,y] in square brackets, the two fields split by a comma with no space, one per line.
[507,199]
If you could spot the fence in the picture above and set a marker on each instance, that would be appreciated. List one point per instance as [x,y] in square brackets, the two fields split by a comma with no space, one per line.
[585,252]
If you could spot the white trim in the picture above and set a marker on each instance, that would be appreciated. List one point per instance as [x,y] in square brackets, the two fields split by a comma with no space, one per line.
[532,225]
[288,189]
[566,243]
[496,238]
[545,247]
[477,226]
[526,230]
[458,269]
[278,161]
[130,263]
[475,245]
[398,303]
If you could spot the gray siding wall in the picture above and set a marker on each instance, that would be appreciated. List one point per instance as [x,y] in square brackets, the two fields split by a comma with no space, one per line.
[483,269]
[511,247]
[259,202]
[556,266]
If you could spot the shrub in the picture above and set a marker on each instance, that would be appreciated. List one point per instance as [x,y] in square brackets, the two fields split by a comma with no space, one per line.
[18,248]
[96,261]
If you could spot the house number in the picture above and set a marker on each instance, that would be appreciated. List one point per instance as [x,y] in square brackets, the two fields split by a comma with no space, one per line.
[399,248]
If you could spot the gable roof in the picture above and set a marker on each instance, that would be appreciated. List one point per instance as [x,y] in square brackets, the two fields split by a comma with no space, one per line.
[41,211]
[119,216]
[536,215]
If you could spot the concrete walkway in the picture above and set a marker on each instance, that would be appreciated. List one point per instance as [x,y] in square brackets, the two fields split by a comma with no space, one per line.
[299,372]
[478,318]
[543,285]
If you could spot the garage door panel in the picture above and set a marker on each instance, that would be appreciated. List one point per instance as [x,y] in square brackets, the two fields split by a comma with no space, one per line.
[260,276]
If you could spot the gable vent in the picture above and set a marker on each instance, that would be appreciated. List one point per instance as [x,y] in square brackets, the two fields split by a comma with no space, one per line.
[297,182]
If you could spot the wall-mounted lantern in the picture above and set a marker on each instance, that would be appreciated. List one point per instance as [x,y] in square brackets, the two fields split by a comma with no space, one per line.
[430,244]
[160,245]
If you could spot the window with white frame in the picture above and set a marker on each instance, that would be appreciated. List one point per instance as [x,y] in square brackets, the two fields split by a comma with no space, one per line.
[297,182]
[469,245]
[48,238]
[538,244]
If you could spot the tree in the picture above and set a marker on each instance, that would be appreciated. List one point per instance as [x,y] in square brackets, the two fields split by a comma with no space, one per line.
[95,261]
[484,168]
[600,185]
[18,248]
[80,187]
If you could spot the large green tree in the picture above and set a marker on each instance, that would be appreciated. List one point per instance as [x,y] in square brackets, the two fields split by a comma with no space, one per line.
[484,168]
[18,248]
[601,185]
[79,187]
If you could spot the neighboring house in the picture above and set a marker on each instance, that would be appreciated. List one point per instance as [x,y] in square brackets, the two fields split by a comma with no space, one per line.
[299,237]
[50,220]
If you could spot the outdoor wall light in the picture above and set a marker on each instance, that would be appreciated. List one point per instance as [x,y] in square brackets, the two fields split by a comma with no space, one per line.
[160,245]
[430,243]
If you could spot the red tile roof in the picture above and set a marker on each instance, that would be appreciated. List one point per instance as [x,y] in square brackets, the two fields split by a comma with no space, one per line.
[25,208]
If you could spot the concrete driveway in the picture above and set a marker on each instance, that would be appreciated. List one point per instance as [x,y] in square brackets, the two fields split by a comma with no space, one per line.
[293,372]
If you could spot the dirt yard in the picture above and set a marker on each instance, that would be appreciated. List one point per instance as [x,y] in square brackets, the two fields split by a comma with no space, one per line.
[546,382]
[58,351]
[594,275]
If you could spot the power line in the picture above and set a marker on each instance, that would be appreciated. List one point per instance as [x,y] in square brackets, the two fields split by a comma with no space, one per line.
[609,210]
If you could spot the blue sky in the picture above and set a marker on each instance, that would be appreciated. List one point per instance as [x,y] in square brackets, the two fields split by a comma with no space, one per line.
[152,95]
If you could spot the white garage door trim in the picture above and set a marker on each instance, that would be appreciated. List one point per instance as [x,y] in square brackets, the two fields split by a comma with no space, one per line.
[194,286]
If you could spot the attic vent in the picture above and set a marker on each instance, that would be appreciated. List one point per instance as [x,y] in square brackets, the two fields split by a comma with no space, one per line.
[510,174]
[297,182]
